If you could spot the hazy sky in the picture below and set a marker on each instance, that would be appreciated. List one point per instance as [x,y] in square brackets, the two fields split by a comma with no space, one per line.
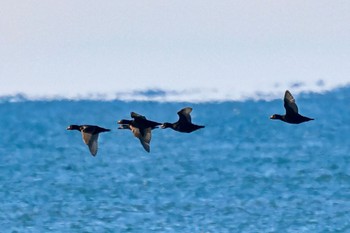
[77,47]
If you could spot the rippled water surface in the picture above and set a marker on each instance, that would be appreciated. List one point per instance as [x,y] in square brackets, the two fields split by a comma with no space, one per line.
[242,173]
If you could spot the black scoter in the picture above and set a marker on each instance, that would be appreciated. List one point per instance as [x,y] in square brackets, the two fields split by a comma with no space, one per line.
[90,135]
[140,127]
[184,124]
[292,116]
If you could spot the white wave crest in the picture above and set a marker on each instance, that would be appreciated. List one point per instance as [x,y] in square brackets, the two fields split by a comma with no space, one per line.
[188,95]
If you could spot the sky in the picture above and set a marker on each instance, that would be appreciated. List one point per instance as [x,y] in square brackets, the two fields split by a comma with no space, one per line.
[227,49]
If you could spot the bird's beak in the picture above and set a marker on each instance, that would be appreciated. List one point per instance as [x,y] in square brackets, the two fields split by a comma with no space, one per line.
[272,117]
[124,126]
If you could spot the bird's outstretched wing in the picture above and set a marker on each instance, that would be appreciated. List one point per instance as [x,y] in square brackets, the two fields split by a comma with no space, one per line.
[184,114]
[289,103]
[136,115]
[144,136]
[92,141]
[93,144]
[86,137]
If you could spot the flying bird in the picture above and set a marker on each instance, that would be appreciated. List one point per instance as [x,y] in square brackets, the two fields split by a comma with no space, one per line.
[90,135]
[292,116]
[140,127]
[184,124]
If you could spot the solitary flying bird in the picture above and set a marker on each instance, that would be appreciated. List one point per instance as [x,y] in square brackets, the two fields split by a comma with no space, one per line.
[184,124]
[90,135]
[292,116]
[141,128]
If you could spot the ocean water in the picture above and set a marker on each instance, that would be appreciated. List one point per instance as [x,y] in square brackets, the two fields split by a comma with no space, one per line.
[242,173]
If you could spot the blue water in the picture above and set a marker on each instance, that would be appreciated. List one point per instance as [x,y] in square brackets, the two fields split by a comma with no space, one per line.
[242,173]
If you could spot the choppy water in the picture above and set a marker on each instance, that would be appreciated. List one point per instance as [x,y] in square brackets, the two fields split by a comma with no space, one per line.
[242,173]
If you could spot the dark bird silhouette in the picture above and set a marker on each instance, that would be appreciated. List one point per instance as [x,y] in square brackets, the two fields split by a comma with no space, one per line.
[184,124]
[140,127]
[292,116]
[90,135]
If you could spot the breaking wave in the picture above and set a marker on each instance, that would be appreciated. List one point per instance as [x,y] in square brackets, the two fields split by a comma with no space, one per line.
[188,95]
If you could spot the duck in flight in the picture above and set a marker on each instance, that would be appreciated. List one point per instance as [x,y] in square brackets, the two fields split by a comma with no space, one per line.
[184,124]
[140,127]
[292,116]
[90,135]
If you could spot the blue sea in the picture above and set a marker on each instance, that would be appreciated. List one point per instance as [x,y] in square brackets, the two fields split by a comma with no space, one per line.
[242,173]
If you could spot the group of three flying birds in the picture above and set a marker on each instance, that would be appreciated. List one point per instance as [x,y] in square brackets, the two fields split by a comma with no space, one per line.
[141,127]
